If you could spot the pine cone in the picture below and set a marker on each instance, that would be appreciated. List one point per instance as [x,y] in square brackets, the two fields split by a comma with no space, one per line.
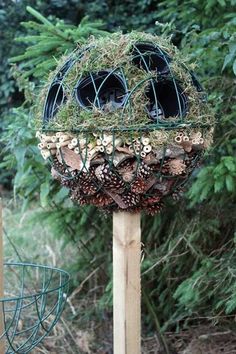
[138,186]
[154,209]
[83,201]
[114,207]
[68,183]
[128,164]
[75,194]
[102,172]
[128,176]
[176,167]
[127,170]
[101,200]
[110,209]
[88,187]
[115,185]
[178,194]
[144,170]
[59,167]
[88,183]
[70,179]
[164,169]
[150,200]
[193,161]
[130,199]
[159,169]
[109,179]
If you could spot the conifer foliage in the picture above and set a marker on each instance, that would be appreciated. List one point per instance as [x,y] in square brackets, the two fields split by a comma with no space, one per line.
[49,41]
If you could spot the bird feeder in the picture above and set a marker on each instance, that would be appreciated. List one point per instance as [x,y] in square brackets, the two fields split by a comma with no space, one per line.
[124,122]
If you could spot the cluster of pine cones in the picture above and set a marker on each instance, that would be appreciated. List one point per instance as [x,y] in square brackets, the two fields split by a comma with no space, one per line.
[131,185]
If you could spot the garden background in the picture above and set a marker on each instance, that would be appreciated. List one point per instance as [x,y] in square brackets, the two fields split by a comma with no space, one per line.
[189,255]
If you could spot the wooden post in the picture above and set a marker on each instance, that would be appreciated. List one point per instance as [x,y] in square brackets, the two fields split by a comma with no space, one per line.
[126,283]
[2,346]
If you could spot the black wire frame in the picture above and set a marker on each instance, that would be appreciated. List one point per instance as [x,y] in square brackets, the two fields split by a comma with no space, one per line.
[164,77]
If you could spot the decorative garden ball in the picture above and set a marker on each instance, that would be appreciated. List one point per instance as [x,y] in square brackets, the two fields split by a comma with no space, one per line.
[125,122]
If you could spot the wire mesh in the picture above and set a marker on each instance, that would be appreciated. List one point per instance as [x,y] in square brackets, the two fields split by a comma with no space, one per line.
[35,297]
[108,89]
[139,125]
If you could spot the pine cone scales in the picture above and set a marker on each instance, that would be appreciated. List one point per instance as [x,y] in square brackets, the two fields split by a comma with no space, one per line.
[114,183]
[88,187]
[109,179]
[154,209]
[138,186]
[131,185]
[59,167]
[176,167]
[75,194]
[150,200]
[103,173]
[130,199]
[101,200]
[82,200]
[87,183]
[144,170]
[68,183]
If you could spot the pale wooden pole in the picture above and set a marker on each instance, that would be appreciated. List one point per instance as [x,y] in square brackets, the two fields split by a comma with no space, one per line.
[126,283]
[2,346]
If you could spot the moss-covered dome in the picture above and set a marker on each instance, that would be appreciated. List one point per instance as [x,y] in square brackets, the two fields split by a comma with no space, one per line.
[124,121]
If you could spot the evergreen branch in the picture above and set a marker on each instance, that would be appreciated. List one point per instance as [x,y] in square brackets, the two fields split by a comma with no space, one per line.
[38,16]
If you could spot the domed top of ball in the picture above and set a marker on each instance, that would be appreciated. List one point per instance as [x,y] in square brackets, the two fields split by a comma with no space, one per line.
[123,81]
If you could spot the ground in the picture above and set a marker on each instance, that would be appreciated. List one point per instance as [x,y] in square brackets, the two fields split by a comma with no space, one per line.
[34,243]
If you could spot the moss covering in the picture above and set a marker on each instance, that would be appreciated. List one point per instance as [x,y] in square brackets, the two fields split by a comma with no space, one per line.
[114,52]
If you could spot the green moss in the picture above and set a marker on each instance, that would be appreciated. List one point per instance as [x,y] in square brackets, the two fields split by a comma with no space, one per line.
[114,52]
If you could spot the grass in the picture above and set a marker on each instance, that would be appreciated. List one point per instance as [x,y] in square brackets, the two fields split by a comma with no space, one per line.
[26,240]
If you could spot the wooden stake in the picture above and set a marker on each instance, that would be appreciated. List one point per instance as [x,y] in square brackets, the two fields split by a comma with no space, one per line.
[126,283]
[2,330]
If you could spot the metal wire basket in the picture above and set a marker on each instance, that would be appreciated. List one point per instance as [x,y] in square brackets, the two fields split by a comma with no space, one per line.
[34,299]
[124,123]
